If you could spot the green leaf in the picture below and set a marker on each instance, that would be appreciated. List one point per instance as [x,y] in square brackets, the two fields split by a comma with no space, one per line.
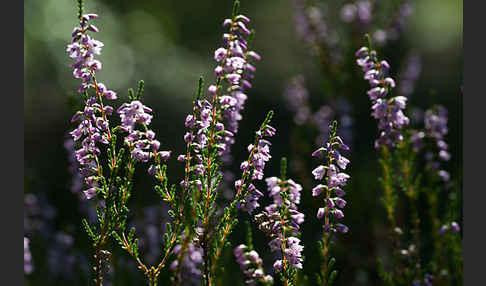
[135,247]
[88,230]
[331,263]
[236,6]
[131,95]
[141,84]
[318,279]
[332,277]
[131,234]
[80,8]
[200,87]
[283,168]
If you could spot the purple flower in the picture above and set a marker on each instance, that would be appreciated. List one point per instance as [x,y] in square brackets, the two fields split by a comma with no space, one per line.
[281,219]
[364,11]
[191,264]
[417,140]
[444,175]
[399,20]
[380,36]
[220,54]
[255,165]
[455,227]
[90,193]
[443,229]
[342,228]
[335,178]
[340,202]
[28,265]
[165,155]
[142,143]
[435,121]
[318,152]
[444,155]
[296,96]
[252,265]
[389,112]
[234,70]
[409,75]
[319,172]
[293,252]
[132,113]
[426,281]
[338,213]
[93,125]
[278,264]
[212,89]
[332,182]
[342,161]
[348,13]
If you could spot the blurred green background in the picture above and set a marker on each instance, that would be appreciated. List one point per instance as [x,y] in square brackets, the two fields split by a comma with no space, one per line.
[169,44]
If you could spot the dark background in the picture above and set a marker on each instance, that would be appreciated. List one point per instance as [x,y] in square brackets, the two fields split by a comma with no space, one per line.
[169,44]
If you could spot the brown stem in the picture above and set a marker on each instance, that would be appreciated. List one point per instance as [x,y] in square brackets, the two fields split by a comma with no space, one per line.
[227,217]
[325,250]
[139,262]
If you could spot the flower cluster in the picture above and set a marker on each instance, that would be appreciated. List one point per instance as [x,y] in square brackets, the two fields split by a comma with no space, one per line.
[435,130]
[154,217]
[409,75]
[63,261]
[219,118]
[28,265]
[196,138]
[435,122]
[39,215]
[142,144]
[94,125]
[312,28]
[259,155]
[308,33]
[359,11]
[252,265]
[281,221]
[234,64]
[82,50]
[334,180]
[76,178]
[292,250]
[95,129]
[234,67]
[60,256]
[416,138]
[297,96]
[190,264]
[399,20]
[453,226]
[388,111]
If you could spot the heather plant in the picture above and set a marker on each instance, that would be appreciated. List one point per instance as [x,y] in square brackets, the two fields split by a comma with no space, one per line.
[401,180]
[281,221]
[186,237]
[196,228]
[330,190]
[330,30]
[399,144]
